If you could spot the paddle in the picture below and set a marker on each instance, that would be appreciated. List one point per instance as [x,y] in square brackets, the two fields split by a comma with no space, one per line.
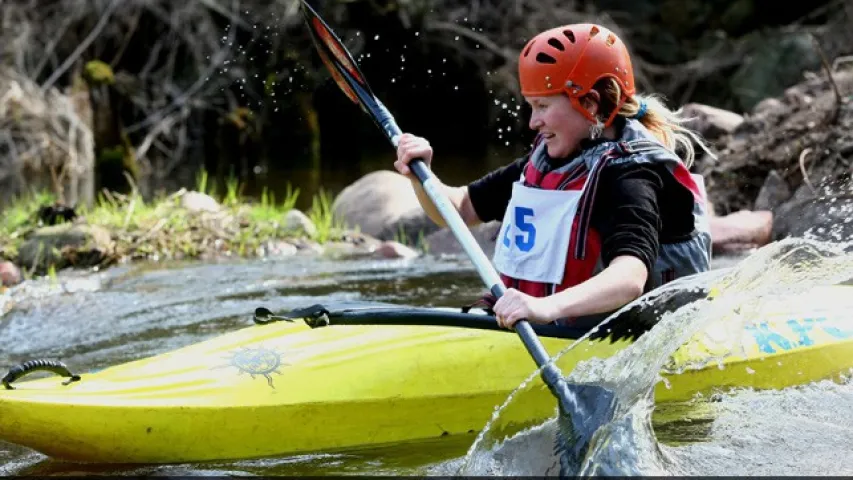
[342,67]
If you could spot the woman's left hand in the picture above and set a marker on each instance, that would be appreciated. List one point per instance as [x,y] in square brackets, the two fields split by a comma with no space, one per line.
[515,305]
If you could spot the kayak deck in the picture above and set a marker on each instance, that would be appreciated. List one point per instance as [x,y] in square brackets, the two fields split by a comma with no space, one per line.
[285,388]
[279,388]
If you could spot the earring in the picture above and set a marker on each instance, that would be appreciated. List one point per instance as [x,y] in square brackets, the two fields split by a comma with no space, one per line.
[595,129]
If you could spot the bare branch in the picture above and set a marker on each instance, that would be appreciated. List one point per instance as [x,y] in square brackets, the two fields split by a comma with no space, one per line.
[82,47]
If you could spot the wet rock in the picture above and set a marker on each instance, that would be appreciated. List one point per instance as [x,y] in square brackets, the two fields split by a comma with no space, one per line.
[826,218]
[199,202]
[777,59]
[741,230]
[711,122]
[277,249]
[10,274]
[391,249]
[66,245]
[367,247]
[443,242]
[768,107]
[790,134]
[306,246]
[297,222]
[383,204]
[774,191]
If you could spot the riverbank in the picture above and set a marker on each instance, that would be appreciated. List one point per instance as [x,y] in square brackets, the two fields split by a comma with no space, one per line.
[39,236]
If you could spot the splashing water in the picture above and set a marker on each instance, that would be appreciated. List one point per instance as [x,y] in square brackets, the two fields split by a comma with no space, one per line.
[789,277]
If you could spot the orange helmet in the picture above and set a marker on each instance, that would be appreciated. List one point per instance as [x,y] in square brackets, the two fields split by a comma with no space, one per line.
[571,59]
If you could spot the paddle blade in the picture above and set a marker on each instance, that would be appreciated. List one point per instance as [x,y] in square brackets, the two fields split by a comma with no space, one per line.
[335,56]
[596,406]
[346,73]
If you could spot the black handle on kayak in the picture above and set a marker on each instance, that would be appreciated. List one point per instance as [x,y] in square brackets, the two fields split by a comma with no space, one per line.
[41,365]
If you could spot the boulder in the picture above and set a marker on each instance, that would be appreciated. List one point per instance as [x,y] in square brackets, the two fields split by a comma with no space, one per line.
[827,218]
[773,193]
[10,274]
[711,122]
[199,202]
[66,245]
[392,249]
[295,221]
[383,204]
[443,242]
[741,230]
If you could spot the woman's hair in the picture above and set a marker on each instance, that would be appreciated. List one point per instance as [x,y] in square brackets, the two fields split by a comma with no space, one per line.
[665,124]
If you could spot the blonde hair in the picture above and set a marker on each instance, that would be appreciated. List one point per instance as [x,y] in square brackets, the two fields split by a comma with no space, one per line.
[666,125]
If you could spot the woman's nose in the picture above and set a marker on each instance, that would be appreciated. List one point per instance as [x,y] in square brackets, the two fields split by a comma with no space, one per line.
[535,122]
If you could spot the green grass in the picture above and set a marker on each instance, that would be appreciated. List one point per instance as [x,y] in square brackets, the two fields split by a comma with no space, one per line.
[232,191]
[201,181]
[22,212]
[321,214]
[159,228]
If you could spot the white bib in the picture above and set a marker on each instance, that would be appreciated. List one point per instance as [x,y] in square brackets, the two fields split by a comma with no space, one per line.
[535,235]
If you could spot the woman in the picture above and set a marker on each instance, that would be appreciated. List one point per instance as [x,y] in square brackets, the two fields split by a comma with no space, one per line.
[602,209]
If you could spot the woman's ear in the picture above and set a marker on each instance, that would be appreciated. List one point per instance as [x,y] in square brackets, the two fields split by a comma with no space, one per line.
[590,102]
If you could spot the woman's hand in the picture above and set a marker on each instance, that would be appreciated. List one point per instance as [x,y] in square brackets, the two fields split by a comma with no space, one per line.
[514,306]
[409,148]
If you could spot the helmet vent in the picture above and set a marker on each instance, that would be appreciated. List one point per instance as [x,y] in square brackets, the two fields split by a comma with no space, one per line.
[527,50]
[545,58]
[593,31]
[570,35]
[611,39]
[556,44]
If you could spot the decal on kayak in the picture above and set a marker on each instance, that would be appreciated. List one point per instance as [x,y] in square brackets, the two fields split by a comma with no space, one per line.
[800,333]
[257,361]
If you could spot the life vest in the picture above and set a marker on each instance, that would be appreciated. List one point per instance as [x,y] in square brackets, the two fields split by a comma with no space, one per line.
[583,259]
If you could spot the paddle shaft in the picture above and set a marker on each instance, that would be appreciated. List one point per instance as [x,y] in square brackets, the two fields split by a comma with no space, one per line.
[352,82]
[460,230]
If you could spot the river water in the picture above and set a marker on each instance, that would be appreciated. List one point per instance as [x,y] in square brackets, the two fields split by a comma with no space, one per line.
[95,319]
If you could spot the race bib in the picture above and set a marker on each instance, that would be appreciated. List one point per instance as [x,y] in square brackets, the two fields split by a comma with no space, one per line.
[534,239]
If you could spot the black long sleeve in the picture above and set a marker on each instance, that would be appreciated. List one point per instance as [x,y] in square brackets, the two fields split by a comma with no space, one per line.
[491,193]
[626,213]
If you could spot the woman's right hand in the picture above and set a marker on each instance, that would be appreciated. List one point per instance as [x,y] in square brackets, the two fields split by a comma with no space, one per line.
[409,148]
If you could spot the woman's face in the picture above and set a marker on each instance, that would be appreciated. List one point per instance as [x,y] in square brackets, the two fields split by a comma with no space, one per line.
[561,126]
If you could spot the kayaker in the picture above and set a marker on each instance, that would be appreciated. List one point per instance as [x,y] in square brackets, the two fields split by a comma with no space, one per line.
[602,209]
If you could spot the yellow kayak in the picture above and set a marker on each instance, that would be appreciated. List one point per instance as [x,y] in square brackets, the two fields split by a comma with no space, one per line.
[377,374]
